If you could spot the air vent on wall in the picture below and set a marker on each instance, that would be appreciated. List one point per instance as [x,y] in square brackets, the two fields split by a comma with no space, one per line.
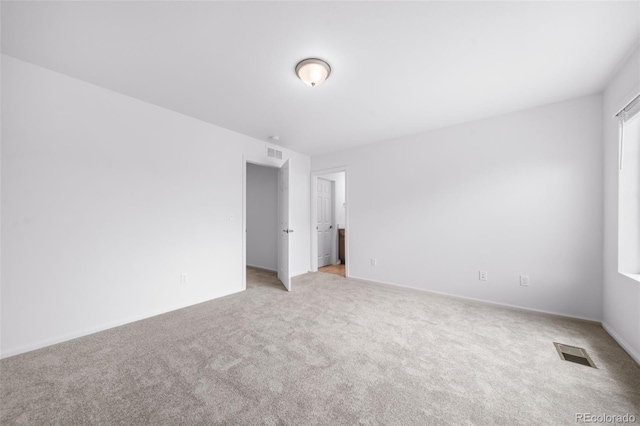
[574,354]
[274,153]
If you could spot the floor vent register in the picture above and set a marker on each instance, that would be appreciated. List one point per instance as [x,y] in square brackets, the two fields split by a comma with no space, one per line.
[574,354]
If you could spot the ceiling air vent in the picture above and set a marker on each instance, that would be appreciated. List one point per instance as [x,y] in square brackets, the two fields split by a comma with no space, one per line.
[574,354]
[274,153]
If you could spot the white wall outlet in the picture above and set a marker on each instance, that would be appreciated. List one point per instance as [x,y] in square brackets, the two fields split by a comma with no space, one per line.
[231,217]
[524,280]
[184,277]
[483,275]
[374,261]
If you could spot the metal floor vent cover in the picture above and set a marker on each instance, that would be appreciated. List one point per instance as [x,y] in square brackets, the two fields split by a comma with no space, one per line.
[574,354]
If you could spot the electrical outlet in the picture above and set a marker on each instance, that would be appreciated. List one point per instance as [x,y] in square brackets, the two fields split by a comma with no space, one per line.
[184,277]
[231,217]
[524,280]
[483,276]
[374,261]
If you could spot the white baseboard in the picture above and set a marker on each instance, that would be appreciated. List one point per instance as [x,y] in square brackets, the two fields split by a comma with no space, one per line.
[489,302]
[627,347]
[262,267]
[85,332]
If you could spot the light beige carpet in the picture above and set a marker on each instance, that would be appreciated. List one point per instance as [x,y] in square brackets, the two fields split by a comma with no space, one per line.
[331,352]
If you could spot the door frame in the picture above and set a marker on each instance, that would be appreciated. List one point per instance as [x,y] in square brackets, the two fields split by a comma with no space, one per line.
[314,215]
[259,161]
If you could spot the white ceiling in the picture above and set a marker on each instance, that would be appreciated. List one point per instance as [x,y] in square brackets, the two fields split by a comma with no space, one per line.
[397,67]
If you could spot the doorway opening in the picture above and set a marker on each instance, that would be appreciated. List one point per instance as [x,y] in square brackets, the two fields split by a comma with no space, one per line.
[262,218]
[265,214]
[329,230]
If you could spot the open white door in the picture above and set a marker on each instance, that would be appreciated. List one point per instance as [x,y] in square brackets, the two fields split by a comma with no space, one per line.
[283,229]
[325,222]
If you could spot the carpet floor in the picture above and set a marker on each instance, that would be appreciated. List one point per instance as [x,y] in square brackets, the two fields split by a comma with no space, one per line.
[332,352]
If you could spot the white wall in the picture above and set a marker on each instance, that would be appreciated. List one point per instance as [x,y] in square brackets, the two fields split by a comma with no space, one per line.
[621,294]
[262,216]
[106,200]
[511,195]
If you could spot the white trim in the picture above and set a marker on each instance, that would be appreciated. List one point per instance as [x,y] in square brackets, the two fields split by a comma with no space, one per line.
[261,267]
[630,109]
[620,144]
[70,336]
[627,347]
[626,100]
[489,302]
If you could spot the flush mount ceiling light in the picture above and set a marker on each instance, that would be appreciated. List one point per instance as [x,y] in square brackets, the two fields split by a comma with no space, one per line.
[313,71]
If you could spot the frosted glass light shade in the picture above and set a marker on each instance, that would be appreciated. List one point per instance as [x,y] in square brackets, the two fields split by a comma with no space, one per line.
[313,71]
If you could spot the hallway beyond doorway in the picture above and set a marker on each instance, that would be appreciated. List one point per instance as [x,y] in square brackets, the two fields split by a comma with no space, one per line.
[333,269]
